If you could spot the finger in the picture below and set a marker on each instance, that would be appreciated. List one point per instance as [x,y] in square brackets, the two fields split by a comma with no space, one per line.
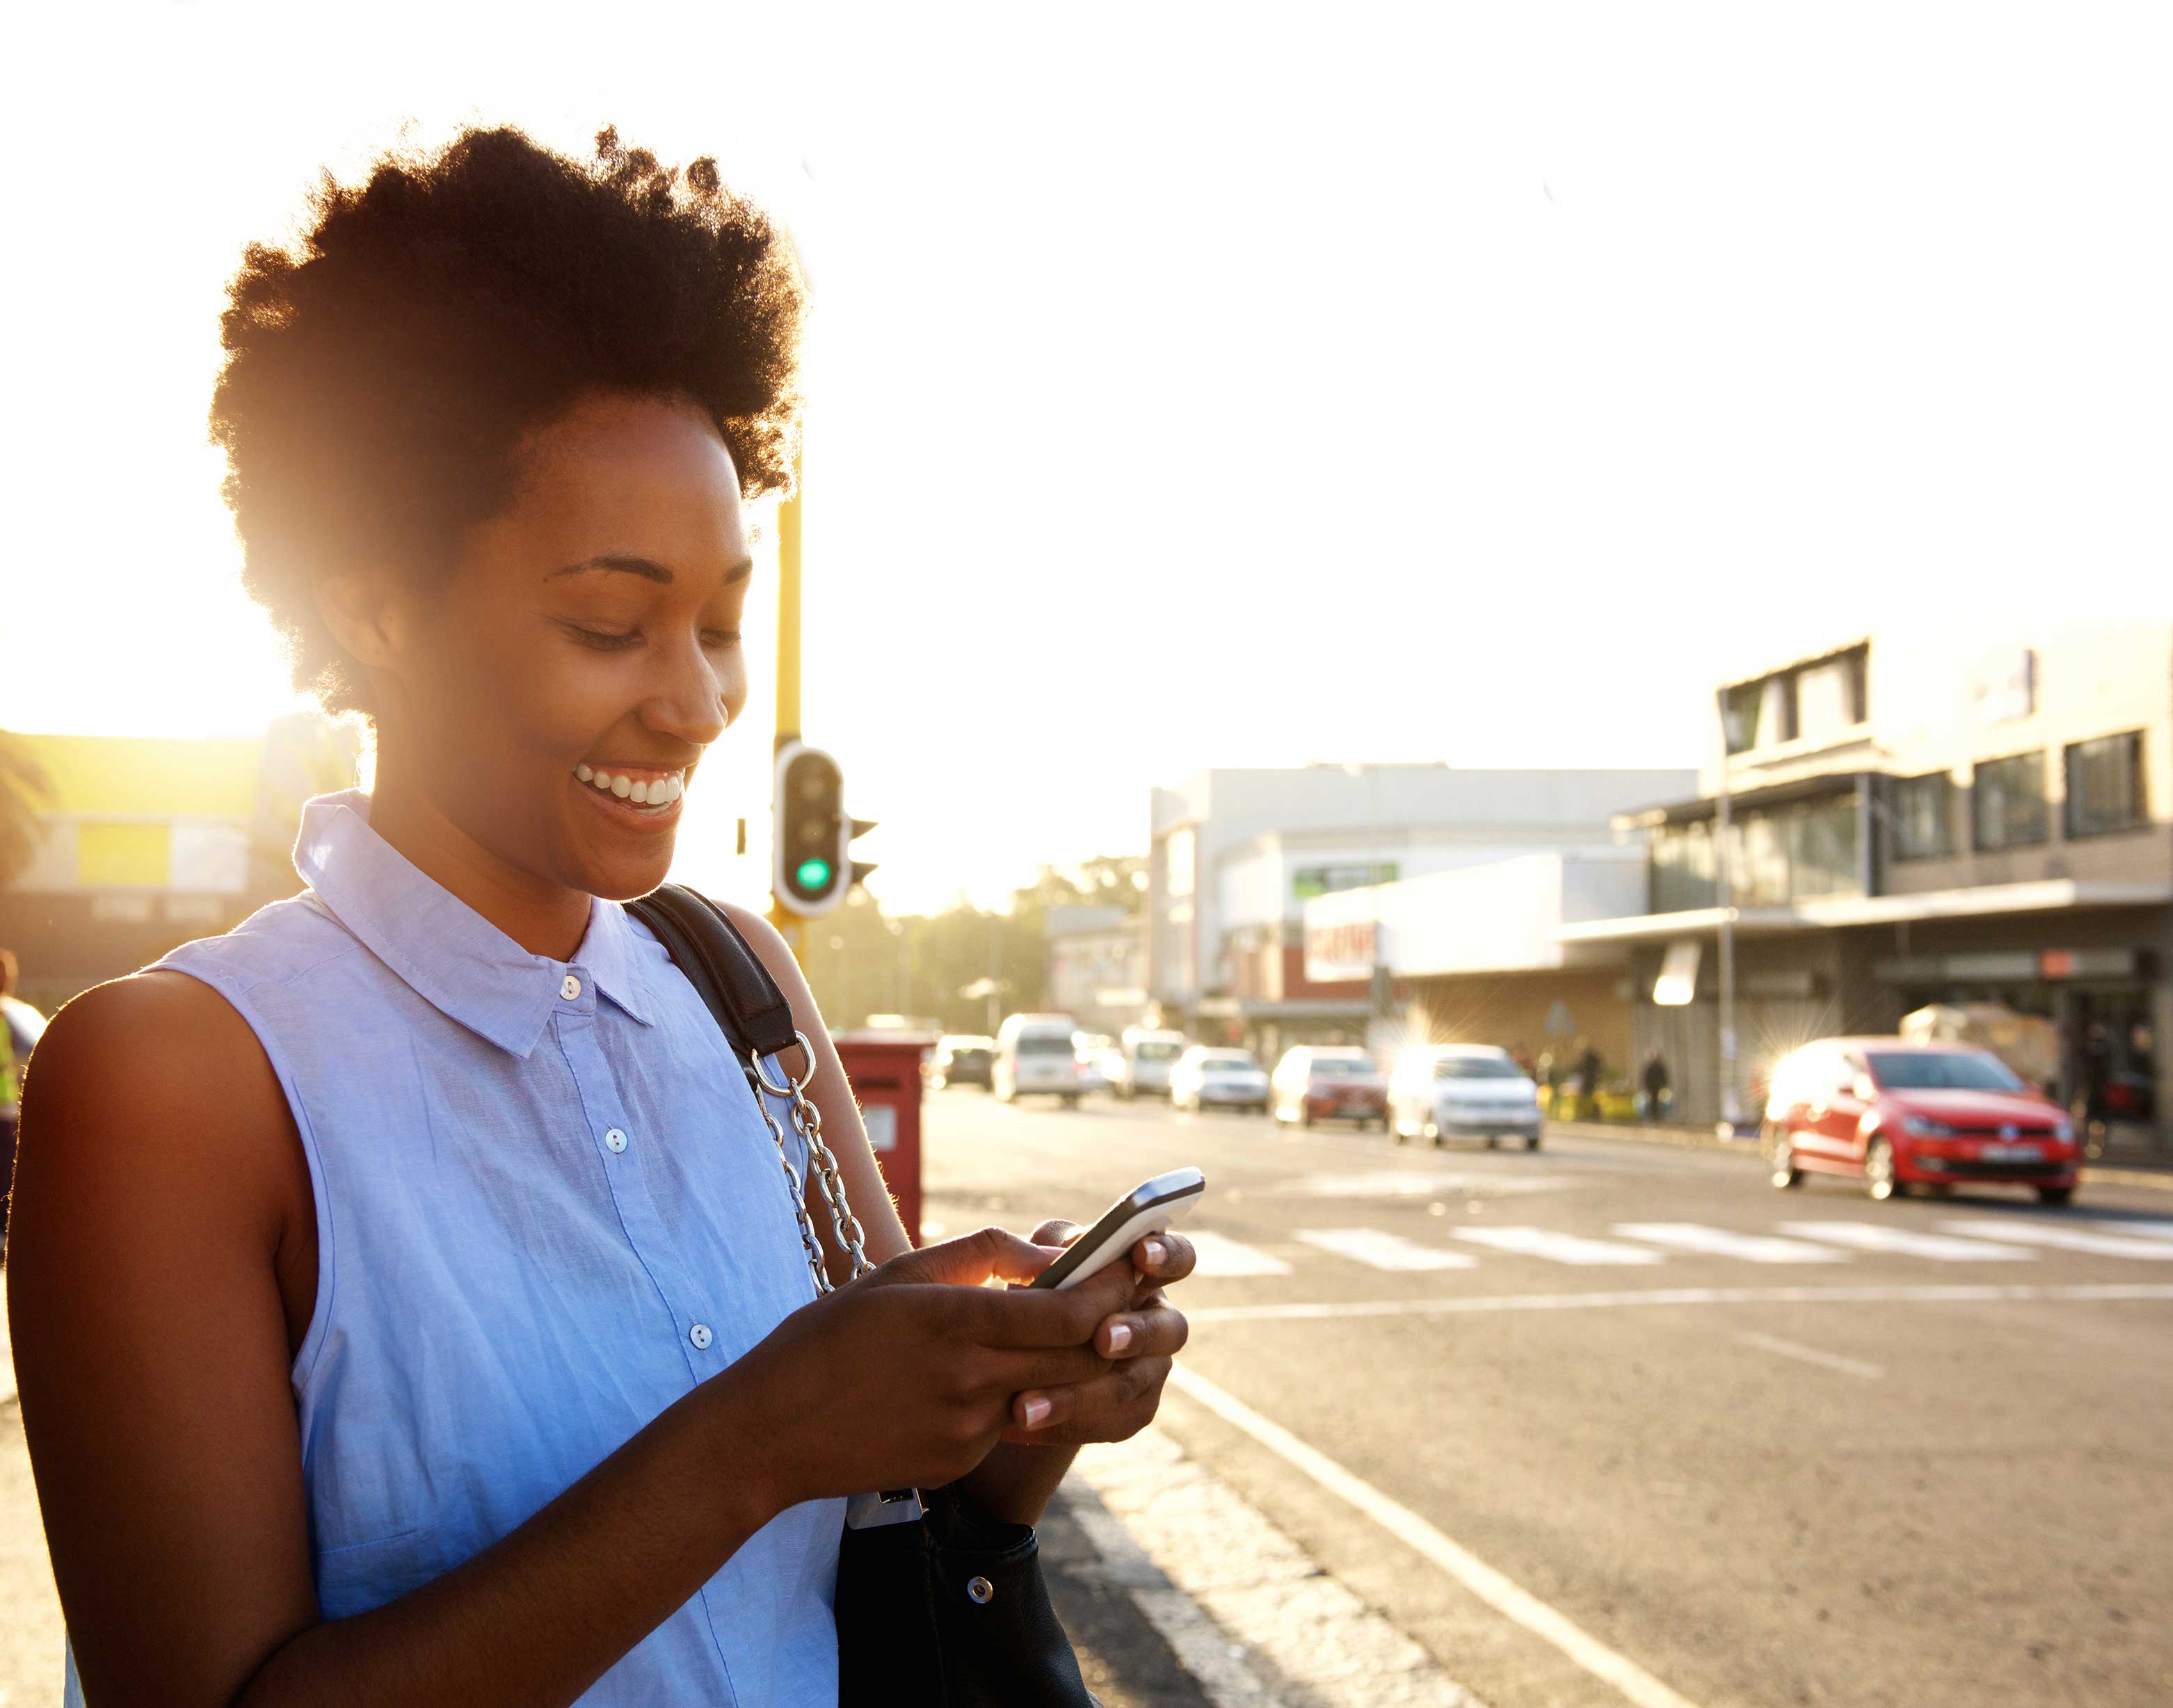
[1020,1317]
[1157,1332]
[970,1260]
[1109,1408]
[1051,1367]
[1056,1232]
[1164,1258]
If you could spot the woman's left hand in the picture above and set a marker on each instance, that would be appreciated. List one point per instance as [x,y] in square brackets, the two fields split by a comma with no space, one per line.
[1137,1346]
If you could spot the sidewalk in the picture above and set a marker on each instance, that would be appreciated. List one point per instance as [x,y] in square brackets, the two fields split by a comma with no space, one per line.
[2105,1171]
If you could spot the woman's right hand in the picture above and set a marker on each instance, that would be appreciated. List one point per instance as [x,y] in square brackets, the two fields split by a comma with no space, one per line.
[905,1377]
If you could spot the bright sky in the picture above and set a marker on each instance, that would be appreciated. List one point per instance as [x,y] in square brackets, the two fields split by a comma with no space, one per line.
[1200,384]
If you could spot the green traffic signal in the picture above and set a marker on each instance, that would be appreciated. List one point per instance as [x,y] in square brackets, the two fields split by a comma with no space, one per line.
[812,876]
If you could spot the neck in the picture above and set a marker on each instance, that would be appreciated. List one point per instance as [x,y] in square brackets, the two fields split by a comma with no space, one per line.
[543,918]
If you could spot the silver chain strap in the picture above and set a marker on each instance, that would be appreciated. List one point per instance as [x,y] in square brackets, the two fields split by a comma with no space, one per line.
[807,1122]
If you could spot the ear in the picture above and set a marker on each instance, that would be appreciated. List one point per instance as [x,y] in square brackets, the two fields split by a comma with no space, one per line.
[369,613]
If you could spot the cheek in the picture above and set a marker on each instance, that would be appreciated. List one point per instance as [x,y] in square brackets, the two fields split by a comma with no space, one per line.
[502,696]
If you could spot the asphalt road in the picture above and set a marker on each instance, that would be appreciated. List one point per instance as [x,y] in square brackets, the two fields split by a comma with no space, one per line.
[1620,1422]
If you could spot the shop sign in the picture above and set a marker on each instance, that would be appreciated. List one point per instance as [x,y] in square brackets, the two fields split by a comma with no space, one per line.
[1346,950]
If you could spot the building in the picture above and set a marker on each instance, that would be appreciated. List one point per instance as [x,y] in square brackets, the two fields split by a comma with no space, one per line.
[1977,812]
[146,842]
[1237,855]
[1096,967]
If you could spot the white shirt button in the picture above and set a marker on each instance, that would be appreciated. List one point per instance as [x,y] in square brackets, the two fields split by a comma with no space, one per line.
[701,1336]
[571,989]
[614,1141]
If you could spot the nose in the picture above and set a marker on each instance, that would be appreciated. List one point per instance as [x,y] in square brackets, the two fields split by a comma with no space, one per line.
[700,694]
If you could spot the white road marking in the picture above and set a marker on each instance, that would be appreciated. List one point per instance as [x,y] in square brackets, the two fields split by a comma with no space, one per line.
[1721,1242]
[1415,1183]
[1377,1250]
[1219,1255]
[1960,1293]
[1811,1355]
[1902,1242]
[1506,1597]
[2130,1230]
[1557,1247]
[2065,1239]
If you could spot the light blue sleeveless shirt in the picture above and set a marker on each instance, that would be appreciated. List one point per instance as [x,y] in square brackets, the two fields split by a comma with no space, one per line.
[547,1207]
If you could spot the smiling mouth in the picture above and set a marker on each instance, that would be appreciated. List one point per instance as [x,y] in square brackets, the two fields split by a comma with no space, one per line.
[651,793]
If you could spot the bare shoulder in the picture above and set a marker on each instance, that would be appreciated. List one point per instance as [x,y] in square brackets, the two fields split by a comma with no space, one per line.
[769,946]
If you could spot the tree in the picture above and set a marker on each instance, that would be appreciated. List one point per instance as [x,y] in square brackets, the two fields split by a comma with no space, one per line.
[24,785]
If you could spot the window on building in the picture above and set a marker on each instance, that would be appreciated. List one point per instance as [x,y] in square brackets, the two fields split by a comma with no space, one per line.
[2007,803]
[1923,816]
[1682,868]
[1830,696]
[2104,786]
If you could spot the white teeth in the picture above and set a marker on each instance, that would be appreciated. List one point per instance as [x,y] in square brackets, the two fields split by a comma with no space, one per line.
[621,787]
[585,771]
[603,781]
[638,795]
[674,787]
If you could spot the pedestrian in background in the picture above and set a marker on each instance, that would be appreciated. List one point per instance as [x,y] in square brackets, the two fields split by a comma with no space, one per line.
[1588,1068]
[1656,1084]
[409,1305]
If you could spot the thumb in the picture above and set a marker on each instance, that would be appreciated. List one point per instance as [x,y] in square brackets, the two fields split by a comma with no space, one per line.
[969,1261]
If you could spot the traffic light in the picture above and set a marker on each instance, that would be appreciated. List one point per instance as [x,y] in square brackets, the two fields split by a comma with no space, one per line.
[812,865]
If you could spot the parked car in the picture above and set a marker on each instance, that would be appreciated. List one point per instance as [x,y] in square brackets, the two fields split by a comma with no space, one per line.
[961,1059]
[1087,1049]
[1315,1083]
[1441,1091]
[1035,1054]
[1895,1114]
[1221,1079]
[1138,1064]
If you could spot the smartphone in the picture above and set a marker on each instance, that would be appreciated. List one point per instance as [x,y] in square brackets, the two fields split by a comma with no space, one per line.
[1130,1220]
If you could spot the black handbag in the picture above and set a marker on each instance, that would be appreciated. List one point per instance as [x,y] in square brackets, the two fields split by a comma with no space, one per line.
[938,1605]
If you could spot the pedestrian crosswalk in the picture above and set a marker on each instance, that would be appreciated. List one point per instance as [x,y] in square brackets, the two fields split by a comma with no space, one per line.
[1958,1240]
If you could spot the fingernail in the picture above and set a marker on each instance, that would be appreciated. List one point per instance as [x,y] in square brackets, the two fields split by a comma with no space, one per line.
[1036,1411]
[1156,1251]
[1120,1337]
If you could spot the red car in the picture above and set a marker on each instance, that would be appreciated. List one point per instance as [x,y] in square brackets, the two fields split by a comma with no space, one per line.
[1897,1115]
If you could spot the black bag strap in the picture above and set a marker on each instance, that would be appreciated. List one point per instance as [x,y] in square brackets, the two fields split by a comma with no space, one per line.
[722,967]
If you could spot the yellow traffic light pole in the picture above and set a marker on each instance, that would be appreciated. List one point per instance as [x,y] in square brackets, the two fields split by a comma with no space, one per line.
[788,525]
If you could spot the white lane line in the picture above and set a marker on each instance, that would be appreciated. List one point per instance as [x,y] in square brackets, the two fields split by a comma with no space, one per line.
[1377,1250]
[2126,1230]
[1901,1242]
[1218,1254]
[2065,1239]
[1506,1597]
[1811,1355]
[1721,1242]
[1958,1293]
[1557,1247]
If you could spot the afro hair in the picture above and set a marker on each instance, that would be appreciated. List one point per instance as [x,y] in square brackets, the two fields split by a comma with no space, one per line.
[379,383]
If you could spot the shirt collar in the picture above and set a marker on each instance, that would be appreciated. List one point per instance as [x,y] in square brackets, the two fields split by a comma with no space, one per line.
[448,954]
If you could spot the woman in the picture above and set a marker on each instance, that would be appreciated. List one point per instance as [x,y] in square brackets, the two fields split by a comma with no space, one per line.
[407,1304]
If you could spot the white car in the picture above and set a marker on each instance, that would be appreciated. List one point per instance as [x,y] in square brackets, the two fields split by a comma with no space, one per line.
[1442,1091]
[1139,1064]
[1219,1078]
[1036,1055]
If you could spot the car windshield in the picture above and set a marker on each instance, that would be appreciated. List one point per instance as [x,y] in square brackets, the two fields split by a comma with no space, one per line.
[1227,1061]
[1157,1050]
[1044,1044]
[1941,1070]
[1336,1067]
[1476,1068]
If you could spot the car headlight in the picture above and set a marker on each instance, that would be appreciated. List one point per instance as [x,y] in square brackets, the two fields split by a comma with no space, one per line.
[1920,1127]
[2064,1130]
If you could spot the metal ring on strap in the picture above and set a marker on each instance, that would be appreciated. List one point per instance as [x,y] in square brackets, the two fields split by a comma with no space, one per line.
[791,1087]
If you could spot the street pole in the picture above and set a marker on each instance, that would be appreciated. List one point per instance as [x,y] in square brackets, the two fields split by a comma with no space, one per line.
[788,525]
[1730,1108]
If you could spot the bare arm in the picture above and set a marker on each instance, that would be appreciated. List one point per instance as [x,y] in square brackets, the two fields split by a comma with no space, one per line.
[151,1344]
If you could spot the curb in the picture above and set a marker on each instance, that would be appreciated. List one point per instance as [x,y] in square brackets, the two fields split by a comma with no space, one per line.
[2151,1176]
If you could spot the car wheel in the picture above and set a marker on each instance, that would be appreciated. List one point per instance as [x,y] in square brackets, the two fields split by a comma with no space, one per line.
[1781,1152]
[1069,1099]
[1879,1181]
[2054,1194]
[1531,1141]
[1304,1113]
[1493,1141]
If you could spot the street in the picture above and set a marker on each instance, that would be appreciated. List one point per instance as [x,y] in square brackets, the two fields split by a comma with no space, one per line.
[1617,1421]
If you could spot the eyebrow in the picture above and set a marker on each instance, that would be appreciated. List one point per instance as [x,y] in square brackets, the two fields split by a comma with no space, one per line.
[648,568]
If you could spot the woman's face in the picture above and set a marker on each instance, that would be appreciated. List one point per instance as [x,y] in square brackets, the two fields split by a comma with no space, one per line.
[585,652]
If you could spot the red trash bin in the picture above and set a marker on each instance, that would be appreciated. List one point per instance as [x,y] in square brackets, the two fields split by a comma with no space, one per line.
[884,1068]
